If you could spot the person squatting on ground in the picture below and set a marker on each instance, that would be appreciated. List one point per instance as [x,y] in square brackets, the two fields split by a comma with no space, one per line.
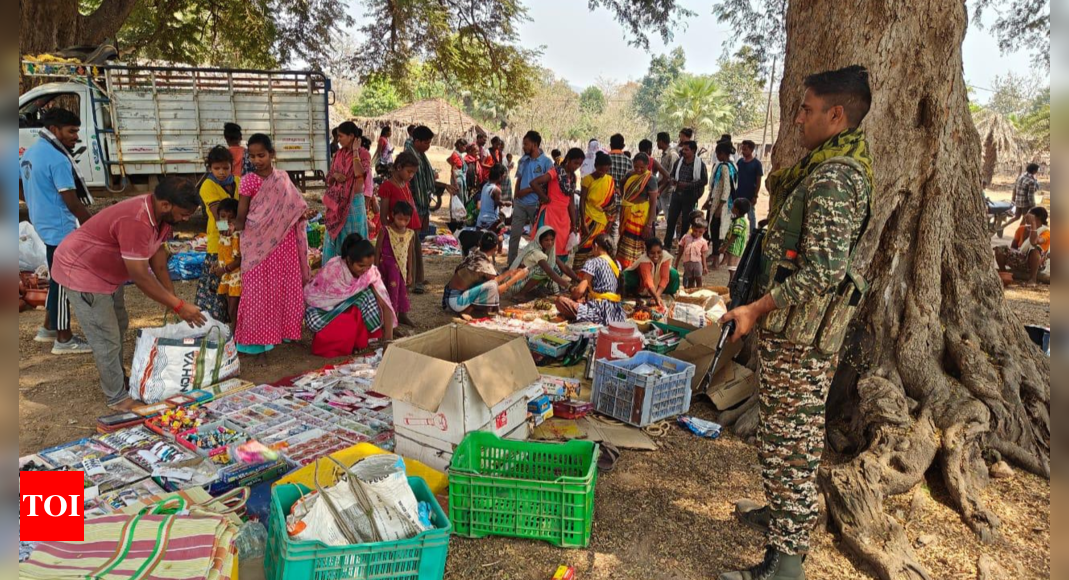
[347,303]
[1027,254]
[475,288]
[819,210]
[596,298]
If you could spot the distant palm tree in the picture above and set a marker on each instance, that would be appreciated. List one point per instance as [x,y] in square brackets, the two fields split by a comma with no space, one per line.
[697,101]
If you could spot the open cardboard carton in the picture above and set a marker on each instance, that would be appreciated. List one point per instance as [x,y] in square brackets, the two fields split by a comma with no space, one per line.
[453,380]
[699,349]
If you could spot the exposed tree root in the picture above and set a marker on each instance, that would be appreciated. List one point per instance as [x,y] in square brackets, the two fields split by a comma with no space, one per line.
[901,450]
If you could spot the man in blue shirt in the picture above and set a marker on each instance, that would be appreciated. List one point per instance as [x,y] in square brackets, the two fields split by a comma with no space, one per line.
[526,204]
[750,173]
[51,191]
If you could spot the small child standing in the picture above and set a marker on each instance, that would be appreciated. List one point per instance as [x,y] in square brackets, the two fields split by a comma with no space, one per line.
[229,266]
[739,234]
[693,249]
[396,260]
[241,164]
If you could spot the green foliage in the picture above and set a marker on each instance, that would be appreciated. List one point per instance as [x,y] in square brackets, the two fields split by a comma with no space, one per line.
[378,96]
[759,26]
[1036,121]
[1021,24]
[638,17]
[592,101]
[663,70]
[466,44]
[698,102]
[230,33]
[743,84]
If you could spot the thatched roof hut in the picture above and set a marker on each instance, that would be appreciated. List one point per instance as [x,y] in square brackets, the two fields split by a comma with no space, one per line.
[448,122]
[1004,150]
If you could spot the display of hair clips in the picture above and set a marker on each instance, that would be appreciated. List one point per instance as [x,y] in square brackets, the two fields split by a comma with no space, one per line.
[159,454]
[128,439]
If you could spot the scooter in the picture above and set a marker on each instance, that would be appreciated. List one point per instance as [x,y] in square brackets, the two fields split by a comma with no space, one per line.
[999,213]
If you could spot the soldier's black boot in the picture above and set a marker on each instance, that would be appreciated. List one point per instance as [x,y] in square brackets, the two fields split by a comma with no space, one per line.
[776,566]
[758,518]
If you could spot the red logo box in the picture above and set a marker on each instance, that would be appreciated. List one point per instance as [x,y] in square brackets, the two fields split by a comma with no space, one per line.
[50,506]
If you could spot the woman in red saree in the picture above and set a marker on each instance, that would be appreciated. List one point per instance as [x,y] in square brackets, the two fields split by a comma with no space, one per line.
[556,188]
[273,217]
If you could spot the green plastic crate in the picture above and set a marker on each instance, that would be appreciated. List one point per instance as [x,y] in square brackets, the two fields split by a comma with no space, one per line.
[419,558]
[539,491]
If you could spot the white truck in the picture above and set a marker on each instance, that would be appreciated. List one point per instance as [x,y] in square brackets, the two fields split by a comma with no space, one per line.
[140,123]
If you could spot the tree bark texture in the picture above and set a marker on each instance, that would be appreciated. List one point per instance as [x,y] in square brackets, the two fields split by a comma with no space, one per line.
[50,25]
[938,372]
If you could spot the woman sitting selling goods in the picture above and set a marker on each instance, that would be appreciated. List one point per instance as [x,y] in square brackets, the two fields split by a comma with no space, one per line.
[348,304]
[595,299]
[545,268]
[652,276]
[475,289]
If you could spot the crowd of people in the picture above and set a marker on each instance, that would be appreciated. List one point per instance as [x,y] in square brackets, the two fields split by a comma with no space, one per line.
[581,227]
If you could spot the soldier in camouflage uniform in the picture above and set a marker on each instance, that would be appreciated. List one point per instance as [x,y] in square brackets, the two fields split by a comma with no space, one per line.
[819,210]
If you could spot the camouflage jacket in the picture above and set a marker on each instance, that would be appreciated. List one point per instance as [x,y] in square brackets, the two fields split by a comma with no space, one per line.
[837,197]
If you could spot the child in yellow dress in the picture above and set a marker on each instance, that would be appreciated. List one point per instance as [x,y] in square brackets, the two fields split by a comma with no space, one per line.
[229,266]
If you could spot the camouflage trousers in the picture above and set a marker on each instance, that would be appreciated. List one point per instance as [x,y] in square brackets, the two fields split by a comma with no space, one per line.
[792,395]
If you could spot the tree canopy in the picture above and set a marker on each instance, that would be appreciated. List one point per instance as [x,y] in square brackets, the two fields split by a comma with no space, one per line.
[254,33]
[467,44]
[663,71]
[698,102]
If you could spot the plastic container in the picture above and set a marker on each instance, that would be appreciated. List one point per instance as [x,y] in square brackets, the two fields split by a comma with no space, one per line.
[549,345]
[618,340]
[638,399]
[419,558]
[538,491]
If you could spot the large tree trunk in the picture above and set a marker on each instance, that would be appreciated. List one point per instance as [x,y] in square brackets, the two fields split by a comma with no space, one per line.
[938,372]
[50,25]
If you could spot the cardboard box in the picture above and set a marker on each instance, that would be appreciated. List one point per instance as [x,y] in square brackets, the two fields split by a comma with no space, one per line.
[699,349]
[438,454]
[733,386]
[456,379]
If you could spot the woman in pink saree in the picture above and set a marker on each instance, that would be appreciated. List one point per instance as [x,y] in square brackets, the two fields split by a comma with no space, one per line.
[343,202]
[272,217]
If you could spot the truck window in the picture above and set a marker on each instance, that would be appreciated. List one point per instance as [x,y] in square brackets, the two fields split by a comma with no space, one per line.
[30,113]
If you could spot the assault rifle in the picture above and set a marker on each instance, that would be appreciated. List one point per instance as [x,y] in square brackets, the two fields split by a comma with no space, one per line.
[742,291]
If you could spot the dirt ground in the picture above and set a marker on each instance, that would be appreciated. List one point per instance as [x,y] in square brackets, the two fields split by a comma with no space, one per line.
[664,515]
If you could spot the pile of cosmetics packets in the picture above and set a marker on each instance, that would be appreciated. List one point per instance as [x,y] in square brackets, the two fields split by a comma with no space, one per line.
[187,441]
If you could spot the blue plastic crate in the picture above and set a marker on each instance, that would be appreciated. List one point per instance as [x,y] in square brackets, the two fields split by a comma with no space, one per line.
[642,400]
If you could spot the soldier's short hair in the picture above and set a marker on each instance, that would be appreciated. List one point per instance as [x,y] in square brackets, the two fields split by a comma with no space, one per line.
[847,87]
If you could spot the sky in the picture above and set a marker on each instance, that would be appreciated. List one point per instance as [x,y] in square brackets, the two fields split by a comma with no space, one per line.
[583,32]
[583,46]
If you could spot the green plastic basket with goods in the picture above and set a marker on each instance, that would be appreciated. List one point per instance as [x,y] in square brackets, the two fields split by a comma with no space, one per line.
[538,491]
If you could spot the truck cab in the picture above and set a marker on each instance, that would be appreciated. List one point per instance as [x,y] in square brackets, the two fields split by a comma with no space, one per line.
[91,108]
